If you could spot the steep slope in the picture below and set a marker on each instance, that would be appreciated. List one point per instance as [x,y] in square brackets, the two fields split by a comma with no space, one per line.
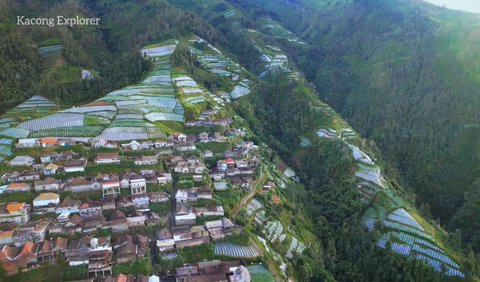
[285,100]
[286,240]
[351,205]
[155,106]
[169,100]
[405,75]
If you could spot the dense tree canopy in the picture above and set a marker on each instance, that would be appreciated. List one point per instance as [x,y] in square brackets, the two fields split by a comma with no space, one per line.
[402,74]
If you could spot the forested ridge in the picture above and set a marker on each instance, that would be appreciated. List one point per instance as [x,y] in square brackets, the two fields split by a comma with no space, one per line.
[326,172]
[404,74]
[325,168]
[326,192]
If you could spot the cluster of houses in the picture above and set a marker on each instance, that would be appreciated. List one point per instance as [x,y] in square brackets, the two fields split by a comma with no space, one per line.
[212,271]
[27,246]
[191,165]
[173,140]
[31,231]
[45,142]
[181,236]
[26,242]
[74,216]
[176,141]
[23,240]
[52,163]
[88,216]
[109,184]
[242,149]
[216,122]
[205,271]
[239,172]
[230,167]
[98,253]
[185,232]
[186,214]
[63,166]
[13,258]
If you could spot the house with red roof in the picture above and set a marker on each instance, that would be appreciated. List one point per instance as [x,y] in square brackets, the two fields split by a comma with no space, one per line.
[19,187]
[48,142]
[14,259]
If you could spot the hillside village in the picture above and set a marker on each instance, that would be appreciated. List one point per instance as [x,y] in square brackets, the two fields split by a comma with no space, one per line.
[162,180]
[179,199]
[217,140]
[173,195]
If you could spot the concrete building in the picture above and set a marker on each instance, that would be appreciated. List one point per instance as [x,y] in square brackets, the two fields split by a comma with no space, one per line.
[46,199]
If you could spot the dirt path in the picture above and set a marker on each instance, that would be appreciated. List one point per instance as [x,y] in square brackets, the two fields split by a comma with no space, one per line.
[246,199]
[271,264]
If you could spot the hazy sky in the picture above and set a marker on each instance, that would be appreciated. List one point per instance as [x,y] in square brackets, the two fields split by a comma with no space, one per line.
[466,5]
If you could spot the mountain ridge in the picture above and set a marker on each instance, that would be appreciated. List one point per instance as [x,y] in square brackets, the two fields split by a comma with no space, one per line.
[257,102]
[346,193]
[422,76]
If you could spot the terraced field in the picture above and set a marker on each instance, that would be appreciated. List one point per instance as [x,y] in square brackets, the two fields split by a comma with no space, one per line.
[408,238]
[34,107]
[213,59]
[217,63]
[125,114]
[275,232]
[237,251]
[142,111]
[51,55]
[404,234]
[281,239]
[275,61]
[386,206]
[192,96]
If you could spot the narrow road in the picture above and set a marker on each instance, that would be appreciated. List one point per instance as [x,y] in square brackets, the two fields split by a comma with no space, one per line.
[174,204]
[246,199]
